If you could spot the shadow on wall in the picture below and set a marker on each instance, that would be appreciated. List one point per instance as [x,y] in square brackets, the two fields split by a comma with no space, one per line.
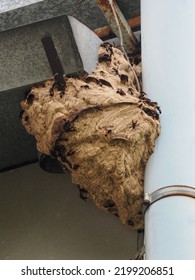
[43,217]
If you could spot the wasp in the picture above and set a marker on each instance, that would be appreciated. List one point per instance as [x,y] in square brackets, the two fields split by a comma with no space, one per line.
[68,126]
[124,78]
[109,205]
[142,95]
[134,124]
[115,70]
[82,193]
[64,159]
[26,118]
[60,87]
[70,152]
[85,86]
[151,113]
[107,46]
[130,223]
[21,114]
[76,166]
[159,110]
[104,58]
[27,92]
[121,92]
[30,98]
[58,150]
[108,132]
[91,79]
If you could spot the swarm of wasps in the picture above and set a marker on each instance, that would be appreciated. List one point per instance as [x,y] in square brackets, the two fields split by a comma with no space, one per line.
[110,97]
[151,106]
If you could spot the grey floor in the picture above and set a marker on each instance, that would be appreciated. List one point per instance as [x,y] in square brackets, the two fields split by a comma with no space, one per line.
[42,217]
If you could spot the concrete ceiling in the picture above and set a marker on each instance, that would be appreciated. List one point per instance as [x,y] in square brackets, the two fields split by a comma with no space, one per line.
[17,148]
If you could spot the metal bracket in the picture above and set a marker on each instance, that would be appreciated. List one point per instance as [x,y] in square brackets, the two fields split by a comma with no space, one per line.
[129,39]
[53,59]
[174,190]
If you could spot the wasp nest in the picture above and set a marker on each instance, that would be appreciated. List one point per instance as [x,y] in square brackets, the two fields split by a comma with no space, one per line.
[101,129]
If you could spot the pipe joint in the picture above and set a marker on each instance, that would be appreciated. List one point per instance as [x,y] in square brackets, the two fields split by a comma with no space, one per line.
[167,191]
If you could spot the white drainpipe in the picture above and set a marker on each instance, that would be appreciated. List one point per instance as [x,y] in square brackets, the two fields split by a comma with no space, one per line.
[168,56]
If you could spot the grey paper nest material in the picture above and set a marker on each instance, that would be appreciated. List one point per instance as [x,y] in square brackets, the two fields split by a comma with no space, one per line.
[101,129]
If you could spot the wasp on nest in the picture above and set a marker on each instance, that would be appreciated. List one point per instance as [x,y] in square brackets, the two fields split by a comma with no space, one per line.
[101,129]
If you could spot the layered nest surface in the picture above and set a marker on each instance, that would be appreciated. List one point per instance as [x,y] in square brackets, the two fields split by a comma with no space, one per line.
[101,130]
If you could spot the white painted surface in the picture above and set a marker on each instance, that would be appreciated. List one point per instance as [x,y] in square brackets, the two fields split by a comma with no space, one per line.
[168,55]
[170,229]
[43,217]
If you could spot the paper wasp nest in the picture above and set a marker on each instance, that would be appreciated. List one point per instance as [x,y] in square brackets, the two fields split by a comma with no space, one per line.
[101,129]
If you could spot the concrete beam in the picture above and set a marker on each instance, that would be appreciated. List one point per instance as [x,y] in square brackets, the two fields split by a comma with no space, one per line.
[23,62]
[47,9]
[29,64]
[21,12]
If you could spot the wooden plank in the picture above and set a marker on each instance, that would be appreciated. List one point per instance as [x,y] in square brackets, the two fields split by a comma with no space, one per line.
[106,31]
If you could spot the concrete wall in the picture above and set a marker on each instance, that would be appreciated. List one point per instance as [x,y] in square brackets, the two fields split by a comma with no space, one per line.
[7,5]
[43,217]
